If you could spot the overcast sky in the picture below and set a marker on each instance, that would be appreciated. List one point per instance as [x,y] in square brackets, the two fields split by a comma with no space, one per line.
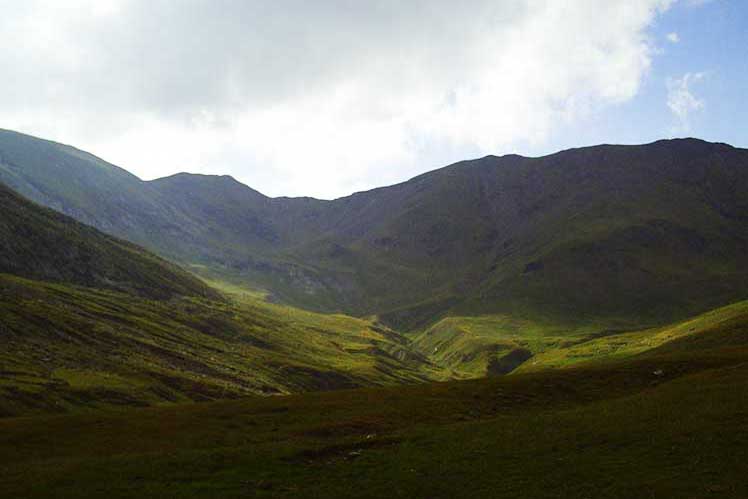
[324,98]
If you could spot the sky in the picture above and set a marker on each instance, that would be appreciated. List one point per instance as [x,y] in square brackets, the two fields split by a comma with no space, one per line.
[326,98]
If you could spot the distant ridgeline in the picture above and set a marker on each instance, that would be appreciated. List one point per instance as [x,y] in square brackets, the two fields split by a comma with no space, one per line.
[618,235]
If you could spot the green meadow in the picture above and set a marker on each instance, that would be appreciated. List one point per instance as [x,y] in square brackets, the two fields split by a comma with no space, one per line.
[665,425]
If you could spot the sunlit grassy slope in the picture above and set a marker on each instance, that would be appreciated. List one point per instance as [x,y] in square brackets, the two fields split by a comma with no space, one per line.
[67,348]
[718,328]
[665,425]
[495,344]
[475,346]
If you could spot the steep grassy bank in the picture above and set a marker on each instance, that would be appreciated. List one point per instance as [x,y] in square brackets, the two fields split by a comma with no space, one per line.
[67,348]
[39,243]
[721,328]
[494,345]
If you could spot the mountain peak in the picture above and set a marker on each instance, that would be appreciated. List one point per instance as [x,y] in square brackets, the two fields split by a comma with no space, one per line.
[184,180]
[188,176]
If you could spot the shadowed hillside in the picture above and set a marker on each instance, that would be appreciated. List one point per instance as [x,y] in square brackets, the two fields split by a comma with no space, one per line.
[607,236]
[38,243]
[89,321]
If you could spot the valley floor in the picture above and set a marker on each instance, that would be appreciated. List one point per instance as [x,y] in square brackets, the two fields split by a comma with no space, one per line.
[666,425]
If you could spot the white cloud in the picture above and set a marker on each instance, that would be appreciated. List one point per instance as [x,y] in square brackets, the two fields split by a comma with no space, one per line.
[682,102]
[673,37]
[318,98]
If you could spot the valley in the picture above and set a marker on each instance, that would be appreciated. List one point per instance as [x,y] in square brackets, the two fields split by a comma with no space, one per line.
[90,322]
[542,327]
[663,425]
[343,249]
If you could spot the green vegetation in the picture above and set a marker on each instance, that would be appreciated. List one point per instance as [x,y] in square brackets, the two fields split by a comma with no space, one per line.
[668,425]
[39,243]
[82,186]
[104,323]
[573,273]
[489,345]
[605,237]
[471,347]
[68,348]
[718,328]
[659,412]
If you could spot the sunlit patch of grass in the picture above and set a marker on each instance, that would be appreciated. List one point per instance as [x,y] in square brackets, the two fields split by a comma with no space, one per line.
[237,291]
[81,379]
[696,330]
[69,347]
[468,345]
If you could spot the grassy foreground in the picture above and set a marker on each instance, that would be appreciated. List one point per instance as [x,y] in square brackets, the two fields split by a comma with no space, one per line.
[660,413]
[664,426]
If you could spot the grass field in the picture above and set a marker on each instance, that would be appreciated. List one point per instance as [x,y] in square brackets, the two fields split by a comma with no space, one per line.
[669,425]
[98,392]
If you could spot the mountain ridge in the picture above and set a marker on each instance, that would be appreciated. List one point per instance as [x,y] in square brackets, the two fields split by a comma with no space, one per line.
[689,139]
[40,243]
[498,234]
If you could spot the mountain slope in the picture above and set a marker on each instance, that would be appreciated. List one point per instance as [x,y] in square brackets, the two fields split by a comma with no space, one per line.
[91,321]
[80,185]
[38,243]
[67,348]
[725,328]
[621,236]
[605,236]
